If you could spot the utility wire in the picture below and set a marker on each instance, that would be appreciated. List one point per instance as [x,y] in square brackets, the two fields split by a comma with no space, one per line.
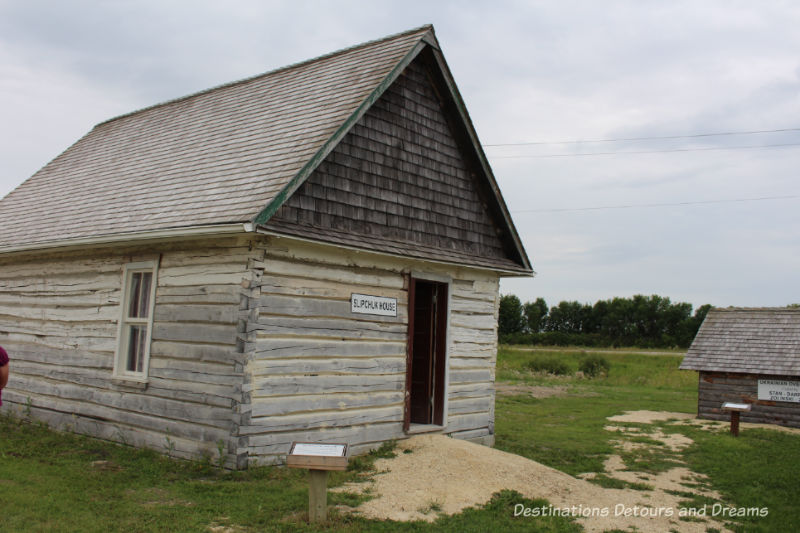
[634,152]
[664,137]
[669,204]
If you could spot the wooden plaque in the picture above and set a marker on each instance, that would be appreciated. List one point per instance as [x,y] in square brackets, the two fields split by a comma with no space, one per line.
[730,406]
[316,456]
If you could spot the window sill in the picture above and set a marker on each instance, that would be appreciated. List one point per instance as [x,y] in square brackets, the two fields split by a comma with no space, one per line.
[129,383]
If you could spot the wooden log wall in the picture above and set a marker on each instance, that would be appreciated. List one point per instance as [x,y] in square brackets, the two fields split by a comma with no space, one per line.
[317,372]
[58,321]
[253,346]
[716,388]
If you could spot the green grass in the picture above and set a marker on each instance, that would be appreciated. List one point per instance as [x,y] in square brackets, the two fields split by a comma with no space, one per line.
[759,469]
[614,483]
[627,369]
[566,432]
[52,481]
[548,366]
[651,460]
[61,482]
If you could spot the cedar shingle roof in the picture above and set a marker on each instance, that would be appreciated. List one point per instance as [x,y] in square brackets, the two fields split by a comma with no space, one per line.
[215,157]
[230,155]
[758,341]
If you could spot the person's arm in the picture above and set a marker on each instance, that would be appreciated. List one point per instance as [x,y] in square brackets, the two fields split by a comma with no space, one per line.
[3,376]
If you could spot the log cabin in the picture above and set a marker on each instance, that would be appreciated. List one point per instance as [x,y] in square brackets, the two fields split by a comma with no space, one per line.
[748,356]
[310,254]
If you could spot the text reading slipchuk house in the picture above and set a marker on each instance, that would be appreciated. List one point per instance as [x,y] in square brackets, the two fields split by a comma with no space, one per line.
[373,305]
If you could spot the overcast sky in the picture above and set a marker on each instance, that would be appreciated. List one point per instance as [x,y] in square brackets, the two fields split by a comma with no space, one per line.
[714,218]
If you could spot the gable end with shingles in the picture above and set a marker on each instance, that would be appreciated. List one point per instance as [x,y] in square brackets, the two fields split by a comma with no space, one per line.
[747,341]
[402,181]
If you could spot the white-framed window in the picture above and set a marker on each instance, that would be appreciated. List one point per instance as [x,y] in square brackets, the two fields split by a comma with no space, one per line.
[135,329]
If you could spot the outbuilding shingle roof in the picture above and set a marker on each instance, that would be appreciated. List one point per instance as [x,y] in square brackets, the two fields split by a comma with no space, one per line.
[747,340]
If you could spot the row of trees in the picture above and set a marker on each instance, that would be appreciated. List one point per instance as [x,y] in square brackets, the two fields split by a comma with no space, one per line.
[644,321]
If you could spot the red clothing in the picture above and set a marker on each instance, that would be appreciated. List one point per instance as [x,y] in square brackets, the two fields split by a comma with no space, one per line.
[3,362]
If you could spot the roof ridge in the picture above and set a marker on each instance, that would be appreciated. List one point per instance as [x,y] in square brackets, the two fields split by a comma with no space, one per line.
[425,27]
[734,309]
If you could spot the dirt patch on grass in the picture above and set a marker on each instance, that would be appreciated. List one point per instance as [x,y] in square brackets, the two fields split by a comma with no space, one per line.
[216,527]
[674,442]
[106,466]
[537,391]
[649,417]
[444,475]
[667,471]
[720,425]
[156,497]
[583,350]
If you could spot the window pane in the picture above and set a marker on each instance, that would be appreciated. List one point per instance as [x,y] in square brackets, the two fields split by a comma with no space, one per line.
[136,283]
[144,298]
[140,294]
[136,345]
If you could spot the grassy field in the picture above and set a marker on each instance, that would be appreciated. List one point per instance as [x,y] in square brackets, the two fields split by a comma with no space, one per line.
[56,482]
[60,482]
[566,431]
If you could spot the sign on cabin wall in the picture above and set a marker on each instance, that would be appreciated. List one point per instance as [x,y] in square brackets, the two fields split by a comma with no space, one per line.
[778,390]
[365,304]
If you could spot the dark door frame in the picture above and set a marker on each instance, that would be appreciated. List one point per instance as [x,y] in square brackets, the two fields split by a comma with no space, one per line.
[440,352]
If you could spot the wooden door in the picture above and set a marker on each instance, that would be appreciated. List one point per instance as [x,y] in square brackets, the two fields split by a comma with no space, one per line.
[427,352]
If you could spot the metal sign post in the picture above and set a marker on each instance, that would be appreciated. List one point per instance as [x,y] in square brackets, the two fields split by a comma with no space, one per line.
[318,459]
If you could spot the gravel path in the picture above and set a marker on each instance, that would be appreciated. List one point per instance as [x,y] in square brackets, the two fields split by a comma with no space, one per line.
[444,475]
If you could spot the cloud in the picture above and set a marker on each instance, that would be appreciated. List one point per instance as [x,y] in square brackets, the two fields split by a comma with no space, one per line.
[528,71]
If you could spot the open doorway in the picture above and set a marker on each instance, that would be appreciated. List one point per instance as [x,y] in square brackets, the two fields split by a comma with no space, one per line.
[427,353]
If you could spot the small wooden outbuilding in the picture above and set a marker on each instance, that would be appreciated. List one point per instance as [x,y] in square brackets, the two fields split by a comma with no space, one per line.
[749,356]
[312,254]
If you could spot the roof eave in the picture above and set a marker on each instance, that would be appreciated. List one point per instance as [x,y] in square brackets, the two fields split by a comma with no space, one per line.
[131,237]
[502,272]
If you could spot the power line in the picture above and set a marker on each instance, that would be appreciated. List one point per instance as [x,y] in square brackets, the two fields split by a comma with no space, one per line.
[664,137]
[635,152]
[666,204]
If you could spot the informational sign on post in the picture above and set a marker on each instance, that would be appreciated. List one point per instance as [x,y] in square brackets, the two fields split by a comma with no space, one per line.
[778,390]
[318,458]
[324,450]
[734,409]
